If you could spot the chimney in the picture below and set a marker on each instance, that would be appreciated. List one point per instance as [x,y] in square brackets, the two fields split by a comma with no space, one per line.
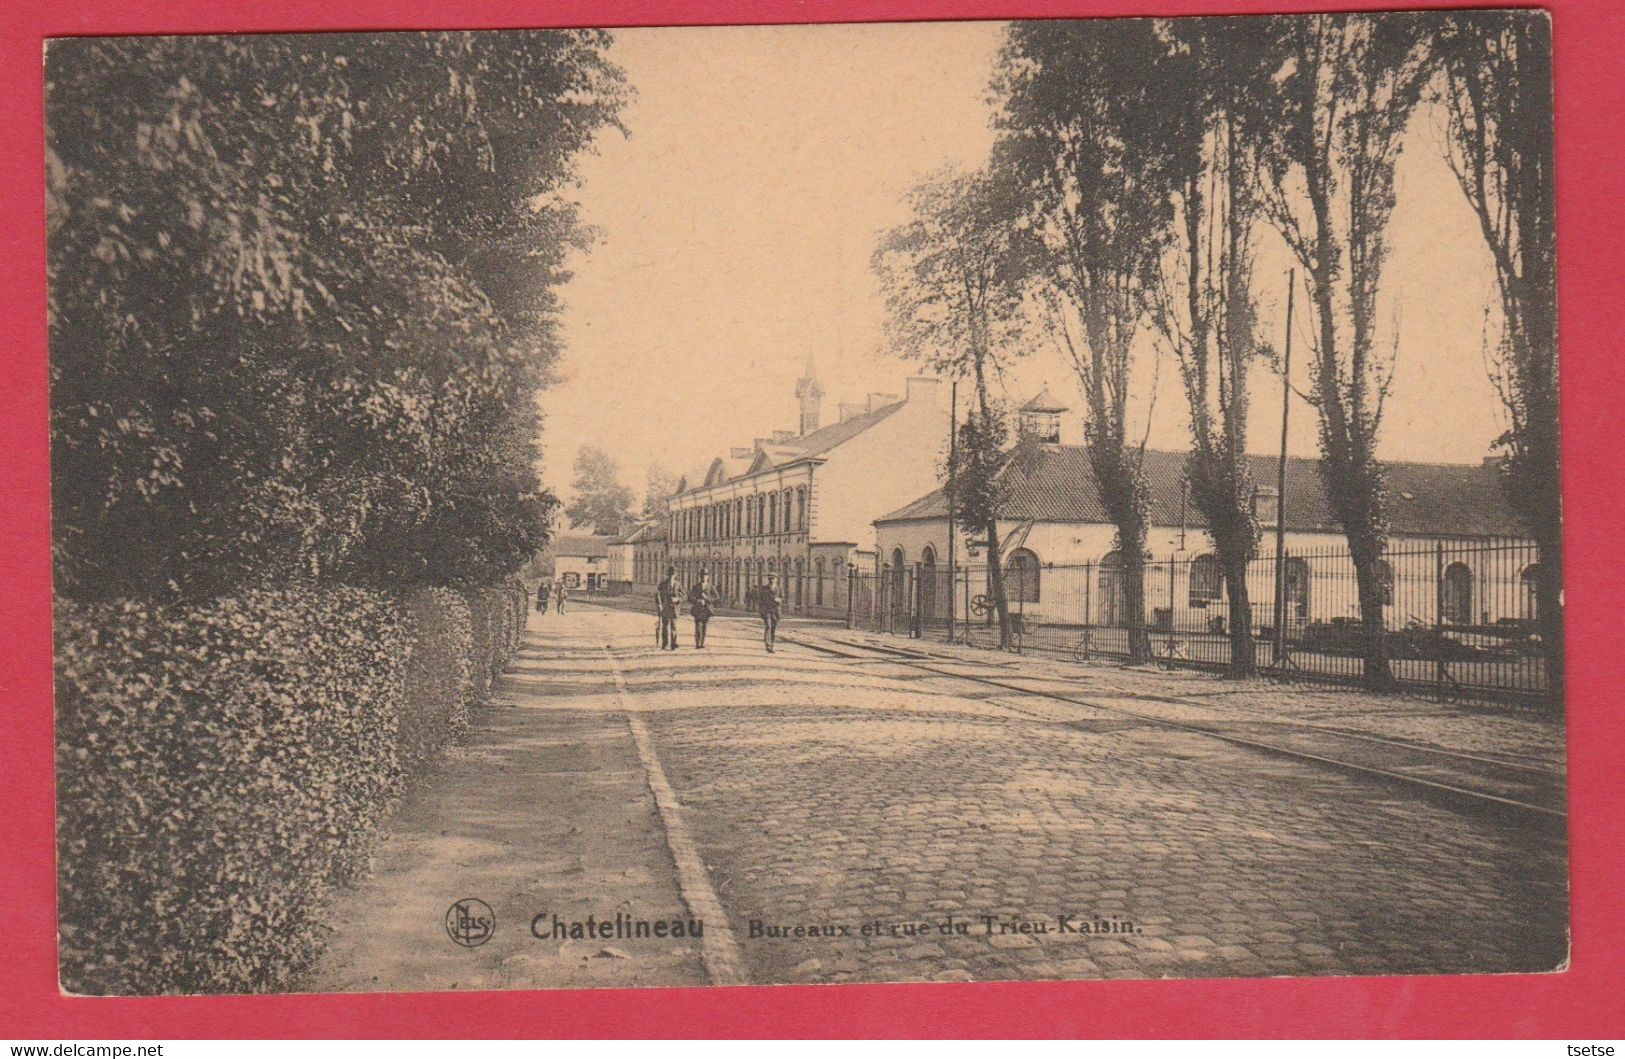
[880,400]
[739,453]
[781,436]
[923,389]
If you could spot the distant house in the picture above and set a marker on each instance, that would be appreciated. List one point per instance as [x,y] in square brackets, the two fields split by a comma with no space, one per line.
[801,504]
[1456,553]
[581,561]
[637,557]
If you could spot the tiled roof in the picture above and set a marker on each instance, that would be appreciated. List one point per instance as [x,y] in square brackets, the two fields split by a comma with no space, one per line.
[823,439]
[797,448]
[1443,499]
[582,547]
[642,531]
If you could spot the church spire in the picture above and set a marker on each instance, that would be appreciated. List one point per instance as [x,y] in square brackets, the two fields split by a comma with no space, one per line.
[808,392]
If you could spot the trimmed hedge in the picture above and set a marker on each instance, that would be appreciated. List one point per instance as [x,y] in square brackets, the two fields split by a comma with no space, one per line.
[221,766]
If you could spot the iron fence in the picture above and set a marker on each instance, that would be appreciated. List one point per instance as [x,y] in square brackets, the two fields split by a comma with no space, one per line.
[1458,619]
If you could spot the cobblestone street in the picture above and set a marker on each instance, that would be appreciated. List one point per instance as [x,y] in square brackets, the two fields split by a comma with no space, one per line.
[915,826]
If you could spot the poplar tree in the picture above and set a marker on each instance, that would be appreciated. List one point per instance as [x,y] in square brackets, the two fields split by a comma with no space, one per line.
[952,277]
[1202,307]
[1328,122]
[1079,102]
[1496,80]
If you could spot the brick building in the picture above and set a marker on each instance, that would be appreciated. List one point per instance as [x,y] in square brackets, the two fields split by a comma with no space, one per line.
[802,504]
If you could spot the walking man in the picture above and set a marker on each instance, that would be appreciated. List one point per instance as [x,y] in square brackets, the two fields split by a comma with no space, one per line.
[559,594]
[542,591]
[701,598]
[668,595]
[768,602]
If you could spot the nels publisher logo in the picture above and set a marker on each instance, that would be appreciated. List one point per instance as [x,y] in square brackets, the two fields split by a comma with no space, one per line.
[470,922]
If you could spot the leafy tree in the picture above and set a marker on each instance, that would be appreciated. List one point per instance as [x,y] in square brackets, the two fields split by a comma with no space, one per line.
[1202,307]
[302,300]
[1078,123]
[659,485]
[1497,95]
[602,501]
[1328,123]
[953,300]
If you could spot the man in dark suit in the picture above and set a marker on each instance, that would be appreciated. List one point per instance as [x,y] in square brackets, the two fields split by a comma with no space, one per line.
[701,598]
[768,604]
[668,596]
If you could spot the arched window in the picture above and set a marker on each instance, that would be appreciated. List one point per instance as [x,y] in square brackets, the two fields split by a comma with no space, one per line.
[1021,577]
[1113,605]
[1206,581]
[928,583]
[1295,587]
[1529,592]
[818,582]
[785,522]
[1457,603]
[1385,578]
[801,507]
[898,584]
[772,512]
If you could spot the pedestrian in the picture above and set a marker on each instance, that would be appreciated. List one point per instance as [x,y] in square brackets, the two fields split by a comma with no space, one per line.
[542,592]
[668,595]
[558,597]
[768,602]
[701,598]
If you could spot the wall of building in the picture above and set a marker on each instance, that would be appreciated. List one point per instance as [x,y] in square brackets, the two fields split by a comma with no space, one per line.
[649,562]
[875,471]
[1427,586]
[619,565]
[893,462]
[578,572]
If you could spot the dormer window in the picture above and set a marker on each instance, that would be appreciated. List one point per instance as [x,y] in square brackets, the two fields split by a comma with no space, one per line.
[1040,418]
[1266,505]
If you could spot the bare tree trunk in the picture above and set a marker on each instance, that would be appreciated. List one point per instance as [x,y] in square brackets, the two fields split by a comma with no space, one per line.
[1243,654]
[1498,96]
[1377,674]
[995,575]
[995,563]
[1133,548]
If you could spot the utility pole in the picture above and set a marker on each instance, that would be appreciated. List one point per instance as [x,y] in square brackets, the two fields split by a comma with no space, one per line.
[1184,492]
[1280,482]
[953,452]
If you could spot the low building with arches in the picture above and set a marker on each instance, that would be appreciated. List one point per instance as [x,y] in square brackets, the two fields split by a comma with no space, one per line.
[1456,554]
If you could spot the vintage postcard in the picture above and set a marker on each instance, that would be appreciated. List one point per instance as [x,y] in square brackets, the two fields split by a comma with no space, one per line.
[973,501]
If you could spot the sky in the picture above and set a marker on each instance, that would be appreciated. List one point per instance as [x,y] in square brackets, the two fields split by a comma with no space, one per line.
[738,217]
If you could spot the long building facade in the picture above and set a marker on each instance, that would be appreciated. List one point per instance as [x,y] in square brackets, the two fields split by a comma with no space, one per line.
[1456,553]
[802,504]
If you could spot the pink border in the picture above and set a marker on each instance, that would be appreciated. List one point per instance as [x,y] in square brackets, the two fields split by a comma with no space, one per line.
[1586,1001]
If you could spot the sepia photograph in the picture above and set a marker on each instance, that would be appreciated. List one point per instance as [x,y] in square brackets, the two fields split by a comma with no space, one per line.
[808,504]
